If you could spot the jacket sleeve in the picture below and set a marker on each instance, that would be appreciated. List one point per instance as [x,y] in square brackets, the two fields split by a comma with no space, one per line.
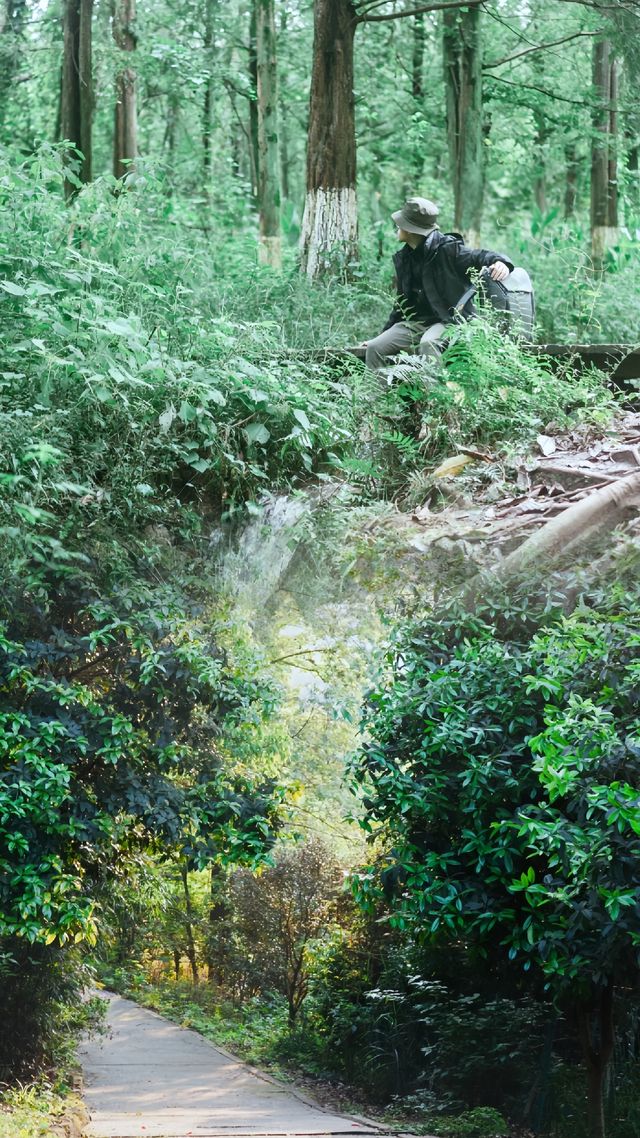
[463,258]
[395,318]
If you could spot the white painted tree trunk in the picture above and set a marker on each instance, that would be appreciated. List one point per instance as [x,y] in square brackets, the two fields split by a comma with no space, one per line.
[329,236]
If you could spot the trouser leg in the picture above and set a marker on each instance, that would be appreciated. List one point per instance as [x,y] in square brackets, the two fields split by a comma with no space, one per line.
[431,345]
[398,338]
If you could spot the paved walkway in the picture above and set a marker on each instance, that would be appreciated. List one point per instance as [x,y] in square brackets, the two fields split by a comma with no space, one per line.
[150,1078]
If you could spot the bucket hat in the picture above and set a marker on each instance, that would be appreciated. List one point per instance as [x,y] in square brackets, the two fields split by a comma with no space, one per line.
[418,215]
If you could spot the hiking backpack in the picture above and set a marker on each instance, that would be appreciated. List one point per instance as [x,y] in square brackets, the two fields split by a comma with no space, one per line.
[513,297]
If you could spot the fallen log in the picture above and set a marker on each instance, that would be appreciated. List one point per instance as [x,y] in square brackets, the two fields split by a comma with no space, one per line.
[620,361]
[600,512]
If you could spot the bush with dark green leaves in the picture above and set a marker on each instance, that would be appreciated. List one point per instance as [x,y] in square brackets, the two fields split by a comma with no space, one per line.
[502,768]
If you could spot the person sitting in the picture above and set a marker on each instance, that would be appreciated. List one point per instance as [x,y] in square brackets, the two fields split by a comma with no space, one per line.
[432,275]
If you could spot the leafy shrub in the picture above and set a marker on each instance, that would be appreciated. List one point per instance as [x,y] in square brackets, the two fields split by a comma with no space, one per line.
[482,1122]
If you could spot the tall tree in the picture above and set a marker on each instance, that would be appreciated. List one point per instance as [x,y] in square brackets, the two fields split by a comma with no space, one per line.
[13,16]
[254,145]
[77,85]
[270,250]
[207,44]
[604,197]
[462,56]
[125,134]
[417,87]
[330,222]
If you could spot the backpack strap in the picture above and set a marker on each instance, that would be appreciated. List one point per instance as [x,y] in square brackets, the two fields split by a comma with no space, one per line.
[467,296]
[464,299]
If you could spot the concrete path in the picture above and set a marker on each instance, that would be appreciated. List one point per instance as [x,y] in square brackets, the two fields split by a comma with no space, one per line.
[149,1078]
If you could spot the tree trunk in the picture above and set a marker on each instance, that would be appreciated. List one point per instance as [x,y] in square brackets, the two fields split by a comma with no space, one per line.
[283,122]
[207,43]
[125,135]
[329,237]
[417,91]
[612,212]
[540,181]
[597,1038]
[254,147]
[270,248]
[176,964]
[633,182]
[600,511]
[462,53]
[604,198]
[571,181]
[188,909]
[76,110]
[13,16]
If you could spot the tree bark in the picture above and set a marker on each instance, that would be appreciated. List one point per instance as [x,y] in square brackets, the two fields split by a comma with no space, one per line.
[76,105]
[540,181]
[329,237]
[188,908]
[270,248]
[254,147]
[602,510]
[125,134]
[417,91]
[604,198]
[207,43]
[13,16]
[462,55]
[597,1039]
[632,195]
[571,181]
[283,123]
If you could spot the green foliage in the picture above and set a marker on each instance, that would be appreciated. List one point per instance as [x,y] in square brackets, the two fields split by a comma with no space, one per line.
[112,748]
[504,774]
[127,395]
[33,1111]
[482,1122]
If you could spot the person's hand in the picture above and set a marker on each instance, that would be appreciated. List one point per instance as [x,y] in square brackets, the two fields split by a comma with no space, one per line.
[499,271]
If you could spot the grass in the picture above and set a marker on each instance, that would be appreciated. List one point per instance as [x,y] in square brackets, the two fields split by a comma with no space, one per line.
[33,1112]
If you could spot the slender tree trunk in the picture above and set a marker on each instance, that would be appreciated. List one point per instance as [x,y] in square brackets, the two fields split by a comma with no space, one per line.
[330,222]
[604,198]
[540,181]
[76,103]
[188,908]
[207,43]
[612,210]
[125,135]
[632,196]
[176,964]
[462,52]
[417,91]
[13,15]
[283,121]
[85,85]
[216,917]
[571,180]
[597,1038]
[254,146]
[270,248]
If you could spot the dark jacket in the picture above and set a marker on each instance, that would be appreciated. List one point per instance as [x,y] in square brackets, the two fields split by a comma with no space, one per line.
[445,275]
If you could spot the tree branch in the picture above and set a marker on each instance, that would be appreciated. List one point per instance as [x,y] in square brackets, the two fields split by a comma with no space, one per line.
[551,94]
[539,47]
[364,19]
